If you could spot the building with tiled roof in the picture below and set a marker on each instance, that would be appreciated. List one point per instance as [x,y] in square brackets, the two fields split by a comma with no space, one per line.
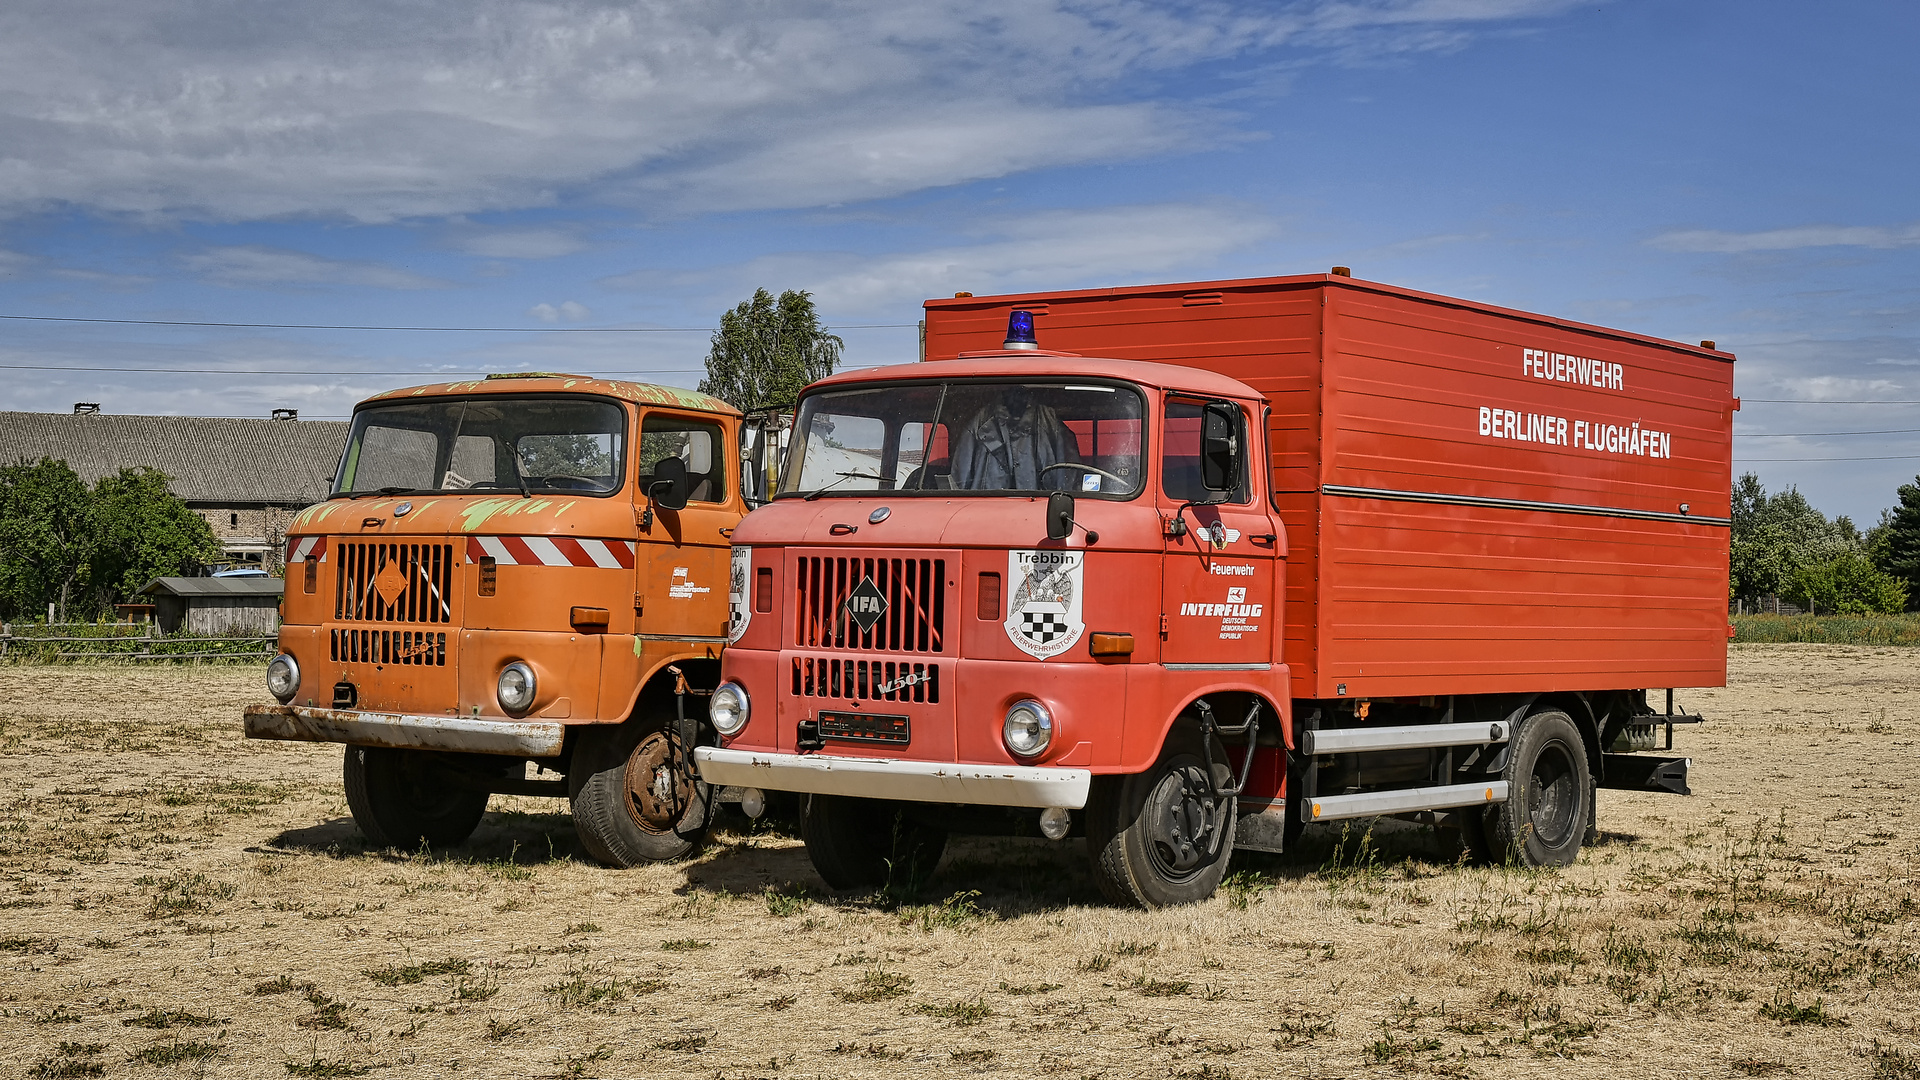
[246,477]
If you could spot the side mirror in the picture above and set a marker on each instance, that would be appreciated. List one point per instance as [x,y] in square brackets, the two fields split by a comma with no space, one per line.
[1059,516]
[1220,466]
[669,488]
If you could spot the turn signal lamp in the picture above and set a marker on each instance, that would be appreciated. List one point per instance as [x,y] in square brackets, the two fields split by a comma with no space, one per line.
[1020,331]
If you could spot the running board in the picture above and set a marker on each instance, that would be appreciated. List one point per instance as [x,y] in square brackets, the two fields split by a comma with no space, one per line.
[1381,803]
[1413,736]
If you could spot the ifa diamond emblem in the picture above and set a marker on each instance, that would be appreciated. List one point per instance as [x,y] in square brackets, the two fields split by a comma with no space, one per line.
[390,582]
[1043,618]
[866,604]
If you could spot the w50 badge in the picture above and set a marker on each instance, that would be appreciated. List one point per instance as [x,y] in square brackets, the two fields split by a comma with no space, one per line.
[1043,617]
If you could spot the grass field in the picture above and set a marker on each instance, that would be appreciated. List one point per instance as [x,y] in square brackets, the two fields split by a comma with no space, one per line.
[177,902]
[1827,629]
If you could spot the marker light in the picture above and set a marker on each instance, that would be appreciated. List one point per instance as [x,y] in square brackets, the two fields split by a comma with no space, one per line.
[1020,331]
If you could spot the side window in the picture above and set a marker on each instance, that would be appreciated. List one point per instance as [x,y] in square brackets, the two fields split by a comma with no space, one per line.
[1180,453]
[695,442]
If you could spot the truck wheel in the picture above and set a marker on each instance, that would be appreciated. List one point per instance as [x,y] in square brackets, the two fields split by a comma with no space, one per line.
[630,805]
[868,843]
[400,799]
[1161,837]
[1549,794]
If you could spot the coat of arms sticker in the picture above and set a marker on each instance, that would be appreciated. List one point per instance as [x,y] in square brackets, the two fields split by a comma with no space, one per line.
[1043,617]
[739,609]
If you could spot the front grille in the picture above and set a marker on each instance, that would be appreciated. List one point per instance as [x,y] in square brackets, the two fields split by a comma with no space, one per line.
[383,581]
[423,648]
[863,680]
[915,590]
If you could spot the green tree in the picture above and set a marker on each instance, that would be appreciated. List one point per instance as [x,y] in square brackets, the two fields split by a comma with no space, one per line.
[767,349]
[1894,544]
[47,536]
[1848,584]
[1776,537]
[143,532]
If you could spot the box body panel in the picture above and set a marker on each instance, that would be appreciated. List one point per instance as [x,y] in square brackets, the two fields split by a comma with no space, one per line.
[1476,500]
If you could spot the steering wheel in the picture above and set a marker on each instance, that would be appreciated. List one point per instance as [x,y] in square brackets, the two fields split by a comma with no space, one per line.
[1124,484]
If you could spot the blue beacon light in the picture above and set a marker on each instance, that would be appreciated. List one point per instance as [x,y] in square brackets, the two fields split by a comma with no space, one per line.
[1020,331]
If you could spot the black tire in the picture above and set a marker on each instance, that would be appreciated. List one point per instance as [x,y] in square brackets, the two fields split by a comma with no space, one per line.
[862,844]
[403,798]
[1549,794]
[631,804]
[1160,838]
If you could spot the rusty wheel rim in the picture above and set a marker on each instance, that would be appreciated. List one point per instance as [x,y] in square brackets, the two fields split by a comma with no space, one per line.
[657,795]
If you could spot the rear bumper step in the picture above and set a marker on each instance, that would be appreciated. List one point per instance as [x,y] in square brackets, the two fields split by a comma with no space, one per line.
[890,778]
[1377,803]
[402,731]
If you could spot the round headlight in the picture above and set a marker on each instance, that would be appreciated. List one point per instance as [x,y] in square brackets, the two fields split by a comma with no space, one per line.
[517,688]
[283,677]
[727,708]
[1029,728]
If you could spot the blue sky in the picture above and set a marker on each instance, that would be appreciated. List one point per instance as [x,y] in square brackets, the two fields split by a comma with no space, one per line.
[1744,172]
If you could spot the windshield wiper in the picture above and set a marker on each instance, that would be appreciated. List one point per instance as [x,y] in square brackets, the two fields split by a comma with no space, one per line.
[351,495]
[844,477]
[520,473]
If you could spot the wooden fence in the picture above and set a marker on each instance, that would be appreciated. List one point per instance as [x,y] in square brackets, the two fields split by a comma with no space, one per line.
[138,642]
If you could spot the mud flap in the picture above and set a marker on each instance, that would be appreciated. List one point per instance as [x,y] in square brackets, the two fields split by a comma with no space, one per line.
[1647,772]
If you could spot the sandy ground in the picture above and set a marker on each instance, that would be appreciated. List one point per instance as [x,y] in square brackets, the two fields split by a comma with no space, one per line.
[175,901]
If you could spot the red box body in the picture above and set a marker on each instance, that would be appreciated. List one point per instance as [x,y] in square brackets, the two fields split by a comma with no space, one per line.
[1476,500]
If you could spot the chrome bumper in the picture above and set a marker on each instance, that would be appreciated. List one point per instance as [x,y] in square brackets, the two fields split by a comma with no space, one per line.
[402,731]
[912,781]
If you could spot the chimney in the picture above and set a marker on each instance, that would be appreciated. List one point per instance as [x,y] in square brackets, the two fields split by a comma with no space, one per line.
[85,408]
[286,414]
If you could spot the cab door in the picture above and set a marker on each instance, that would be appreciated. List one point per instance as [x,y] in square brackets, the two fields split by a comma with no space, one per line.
[1219,567]
[683,554]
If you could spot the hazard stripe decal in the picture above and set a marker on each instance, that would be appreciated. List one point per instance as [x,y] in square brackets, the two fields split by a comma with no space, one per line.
[551,551]
[307,547]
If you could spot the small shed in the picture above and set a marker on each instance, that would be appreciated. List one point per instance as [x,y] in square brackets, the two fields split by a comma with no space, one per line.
[216,605]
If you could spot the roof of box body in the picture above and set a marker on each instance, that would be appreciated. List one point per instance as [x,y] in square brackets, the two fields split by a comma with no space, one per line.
[1295,281]
[1027,364]
[207,459]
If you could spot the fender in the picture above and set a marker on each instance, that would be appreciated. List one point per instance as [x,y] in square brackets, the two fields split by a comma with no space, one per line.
[1155,726]
[655,665]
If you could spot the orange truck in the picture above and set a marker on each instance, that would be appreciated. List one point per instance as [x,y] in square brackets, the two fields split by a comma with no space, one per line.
[521,569]
[1182,568]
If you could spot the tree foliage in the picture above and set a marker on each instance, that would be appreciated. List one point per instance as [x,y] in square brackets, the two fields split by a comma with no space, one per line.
[83,549]
[1782,546]
[1894,544]
[767,349]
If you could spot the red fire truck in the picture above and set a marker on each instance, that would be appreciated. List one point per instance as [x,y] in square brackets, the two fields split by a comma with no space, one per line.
[1182,568]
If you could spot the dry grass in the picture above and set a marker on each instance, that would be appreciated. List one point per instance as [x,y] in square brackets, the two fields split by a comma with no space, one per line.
[176,902]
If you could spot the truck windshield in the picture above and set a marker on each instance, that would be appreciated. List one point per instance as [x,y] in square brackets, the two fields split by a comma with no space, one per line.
[493,443]
[987,436]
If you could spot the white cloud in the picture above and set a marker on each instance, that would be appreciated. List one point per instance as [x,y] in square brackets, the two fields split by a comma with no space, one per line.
[571,311]
[252,266]
[372,110]
[1056,249]
[518,243]
[1804,236]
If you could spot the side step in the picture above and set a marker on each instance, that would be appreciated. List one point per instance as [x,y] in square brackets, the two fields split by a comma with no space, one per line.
[1378,803]
[1413,736]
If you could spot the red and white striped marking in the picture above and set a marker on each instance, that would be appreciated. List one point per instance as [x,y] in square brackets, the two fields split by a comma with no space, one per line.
[551,551]
[307,547]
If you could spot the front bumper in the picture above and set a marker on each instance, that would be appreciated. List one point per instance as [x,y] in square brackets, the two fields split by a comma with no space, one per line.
[402,731]
[912,781]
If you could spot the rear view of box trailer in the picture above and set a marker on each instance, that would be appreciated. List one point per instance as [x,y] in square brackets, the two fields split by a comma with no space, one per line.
[1476,500]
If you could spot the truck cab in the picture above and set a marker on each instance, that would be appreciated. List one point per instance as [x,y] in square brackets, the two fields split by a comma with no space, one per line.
[525,568]
[987,596]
